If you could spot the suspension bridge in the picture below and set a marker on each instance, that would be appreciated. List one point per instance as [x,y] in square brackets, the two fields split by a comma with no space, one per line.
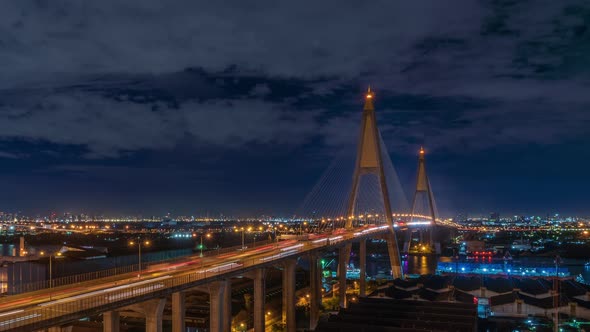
[372,207]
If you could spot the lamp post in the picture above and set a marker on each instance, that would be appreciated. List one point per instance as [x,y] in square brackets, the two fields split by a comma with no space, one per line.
[241,229]
[50,270]
[301,227]
[139,243]
[201,246]
[255,233]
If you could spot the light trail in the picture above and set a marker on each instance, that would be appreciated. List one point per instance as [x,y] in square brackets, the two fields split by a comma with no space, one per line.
[19,319]
[292,247]
[102,291]
[224,267]
[12,312]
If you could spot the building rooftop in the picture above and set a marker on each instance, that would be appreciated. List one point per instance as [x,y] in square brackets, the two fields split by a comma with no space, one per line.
[381,315]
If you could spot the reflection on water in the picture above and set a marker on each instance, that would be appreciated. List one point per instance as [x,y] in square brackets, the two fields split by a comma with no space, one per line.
[413,265]
[8,249]
[419,265]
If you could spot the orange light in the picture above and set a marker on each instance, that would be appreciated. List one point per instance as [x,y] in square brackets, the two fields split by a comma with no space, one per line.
[369,93]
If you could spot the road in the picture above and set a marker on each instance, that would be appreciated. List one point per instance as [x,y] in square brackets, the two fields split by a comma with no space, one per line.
[70,302]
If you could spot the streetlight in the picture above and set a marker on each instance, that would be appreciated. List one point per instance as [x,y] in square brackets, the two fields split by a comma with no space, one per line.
[274,231]
[303,223]
[260,229]
[139,243]
[51,269]
[201,246]
[241,229]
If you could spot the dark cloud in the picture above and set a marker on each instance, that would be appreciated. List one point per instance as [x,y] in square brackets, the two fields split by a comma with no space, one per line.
[11,155]
[110,81]
[107,127]
[279,38]
[487,51]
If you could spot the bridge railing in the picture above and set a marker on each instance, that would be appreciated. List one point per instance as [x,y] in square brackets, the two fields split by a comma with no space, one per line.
[68,280]
[115,272]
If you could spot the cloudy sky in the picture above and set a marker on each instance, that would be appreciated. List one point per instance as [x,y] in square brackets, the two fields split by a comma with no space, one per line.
[191,107]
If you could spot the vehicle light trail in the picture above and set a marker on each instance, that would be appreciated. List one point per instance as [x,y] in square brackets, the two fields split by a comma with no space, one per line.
[19,319]
[292,247]
[223,267]
[11,312]
[102,291]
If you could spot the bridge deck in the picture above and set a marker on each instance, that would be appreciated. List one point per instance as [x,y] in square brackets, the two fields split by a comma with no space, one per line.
[52,307]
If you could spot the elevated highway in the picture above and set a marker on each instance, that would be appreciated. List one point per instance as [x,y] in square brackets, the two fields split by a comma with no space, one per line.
[59,306]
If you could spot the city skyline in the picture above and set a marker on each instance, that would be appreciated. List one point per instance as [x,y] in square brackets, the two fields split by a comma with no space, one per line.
[103,112]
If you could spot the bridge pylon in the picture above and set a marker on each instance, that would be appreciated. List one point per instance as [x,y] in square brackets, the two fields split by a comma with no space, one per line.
[423,192]
[369,161]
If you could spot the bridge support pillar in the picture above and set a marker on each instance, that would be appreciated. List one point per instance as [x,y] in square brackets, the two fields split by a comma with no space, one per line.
[315,271]
[227,314]
[215,306]
[363,267]
[342,264]
[178,311]
[153,310]
[259,296]
[394,257]
[110,321]
[407,241]
[289,295]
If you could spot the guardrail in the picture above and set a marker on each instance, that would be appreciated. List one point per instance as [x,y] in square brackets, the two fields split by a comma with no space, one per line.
[113,272]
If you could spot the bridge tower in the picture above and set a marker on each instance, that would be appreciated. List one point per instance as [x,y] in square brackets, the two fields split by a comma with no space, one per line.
[369,161]
[423,192]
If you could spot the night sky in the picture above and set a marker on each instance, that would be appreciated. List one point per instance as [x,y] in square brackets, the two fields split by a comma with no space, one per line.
[191,107]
